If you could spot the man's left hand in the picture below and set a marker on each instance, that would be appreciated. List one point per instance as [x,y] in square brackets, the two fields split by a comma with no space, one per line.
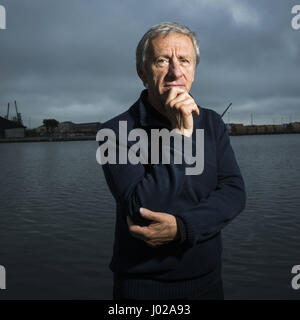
[161,230]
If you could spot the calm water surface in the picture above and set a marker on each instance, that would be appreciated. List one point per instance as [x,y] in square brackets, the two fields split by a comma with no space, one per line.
[57,221]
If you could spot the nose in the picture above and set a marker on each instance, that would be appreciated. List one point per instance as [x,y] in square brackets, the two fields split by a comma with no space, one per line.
[175,71]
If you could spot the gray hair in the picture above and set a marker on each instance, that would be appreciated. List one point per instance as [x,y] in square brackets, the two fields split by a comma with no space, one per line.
[163,28]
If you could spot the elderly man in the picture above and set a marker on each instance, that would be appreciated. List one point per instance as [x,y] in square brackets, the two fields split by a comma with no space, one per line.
[168,225]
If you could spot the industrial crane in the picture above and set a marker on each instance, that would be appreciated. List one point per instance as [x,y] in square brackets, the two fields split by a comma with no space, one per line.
[19,118]
[7,111]
[226,109]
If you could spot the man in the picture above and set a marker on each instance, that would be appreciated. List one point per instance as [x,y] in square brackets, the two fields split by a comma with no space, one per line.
[168,225]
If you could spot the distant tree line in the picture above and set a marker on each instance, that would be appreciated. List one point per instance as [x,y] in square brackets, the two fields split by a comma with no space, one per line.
[50,125]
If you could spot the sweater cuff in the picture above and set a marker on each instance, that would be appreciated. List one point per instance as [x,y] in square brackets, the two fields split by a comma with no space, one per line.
[181,229]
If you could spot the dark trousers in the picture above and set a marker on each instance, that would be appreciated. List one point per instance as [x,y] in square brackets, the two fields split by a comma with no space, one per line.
[212,292]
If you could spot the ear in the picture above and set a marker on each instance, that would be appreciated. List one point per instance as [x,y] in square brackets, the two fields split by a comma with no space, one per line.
[142,77]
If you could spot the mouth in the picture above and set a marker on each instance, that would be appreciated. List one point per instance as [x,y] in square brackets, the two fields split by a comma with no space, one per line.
[169,86]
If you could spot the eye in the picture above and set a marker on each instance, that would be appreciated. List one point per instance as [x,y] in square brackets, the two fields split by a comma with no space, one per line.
[184,60]
[162,62]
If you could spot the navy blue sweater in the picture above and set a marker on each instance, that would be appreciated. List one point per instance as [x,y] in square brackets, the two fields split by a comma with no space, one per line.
[204,203]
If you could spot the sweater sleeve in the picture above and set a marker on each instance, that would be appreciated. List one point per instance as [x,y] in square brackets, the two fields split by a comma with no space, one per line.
[210,215]
[181,230]
[150,186]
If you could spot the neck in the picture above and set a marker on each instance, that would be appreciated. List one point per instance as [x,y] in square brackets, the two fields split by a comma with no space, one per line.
[156,104]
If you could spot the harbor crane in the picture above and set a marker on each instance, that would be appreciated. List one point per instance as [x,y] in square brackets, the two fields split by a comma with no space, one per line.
[19,118]
[7,114]
[226,109]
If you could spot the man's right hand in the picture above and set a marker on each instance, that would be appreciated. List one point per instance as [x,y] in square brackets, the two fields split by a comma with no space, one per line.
[179,106]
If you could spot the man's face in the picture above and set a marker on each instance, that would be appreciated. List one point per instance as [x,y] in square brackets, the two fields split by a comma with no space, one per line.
[170,63]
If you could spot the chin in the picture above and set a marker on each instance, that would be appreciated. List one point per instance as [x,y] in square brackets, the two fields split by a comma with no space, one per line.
[165,90]
[164,95]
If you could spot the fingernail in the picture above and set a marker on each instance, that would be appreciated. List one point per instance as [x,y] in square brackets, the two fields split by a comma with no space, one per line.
[142,210]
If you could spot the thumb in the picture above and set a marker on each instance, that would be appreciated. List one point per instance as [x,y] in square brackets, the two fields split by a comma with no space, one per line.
[148,214]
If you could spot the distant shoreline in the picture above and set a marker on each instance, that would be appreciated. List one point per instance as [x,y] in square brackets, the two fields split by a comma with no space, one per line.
[47,139]
[93,138]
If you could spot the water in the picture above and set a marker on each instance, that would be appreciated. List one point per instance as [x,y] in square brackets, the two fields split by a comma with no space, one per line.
[57,221]
[262,244]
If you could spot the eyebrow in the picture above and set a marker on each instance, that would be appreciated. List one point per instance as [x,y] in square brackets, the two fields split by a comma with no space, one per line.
[168,56]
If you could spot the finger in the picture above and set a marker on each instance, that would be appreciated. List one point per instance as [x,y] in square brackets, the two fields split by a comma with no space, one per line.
[195,109]
[181,97]
[137,236]
[151,215]
[173,92]
[130,223]
[186,108]
[137,230]
[151,244]
[134,228]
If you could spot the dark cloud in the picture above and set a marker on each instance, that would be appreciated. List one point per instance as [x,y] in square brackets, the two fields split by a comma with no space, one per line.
[74,59]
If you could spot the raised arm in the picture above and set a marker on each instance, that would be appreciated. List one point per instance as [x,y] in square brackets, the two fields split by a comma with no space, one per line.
[210,215]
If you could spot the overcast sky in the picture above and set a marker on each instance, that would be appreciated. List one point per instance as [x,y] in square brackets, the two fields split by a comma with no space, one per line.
[75,59]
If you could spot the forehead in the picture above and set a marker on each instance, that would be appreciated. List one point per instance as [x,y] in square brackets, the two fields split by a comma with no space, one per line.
[166,44]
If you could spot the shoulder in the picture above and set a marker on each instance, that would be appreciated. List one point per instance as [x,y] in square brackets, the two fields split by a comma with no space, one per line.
[212,123]
[210,113]
[209,118]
